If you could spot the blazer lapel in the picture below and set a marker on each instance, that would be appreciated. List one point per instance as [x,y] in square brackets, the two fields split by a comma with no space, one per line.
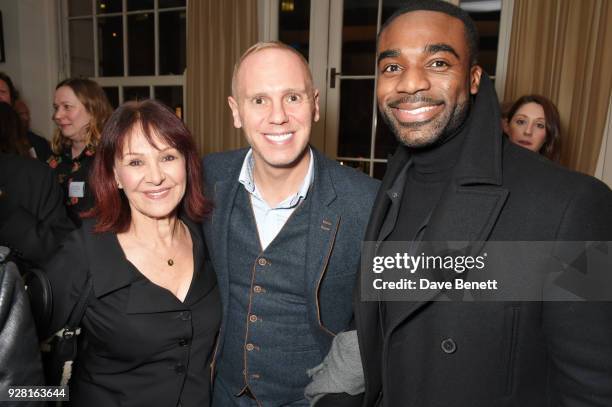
[323,226]
[217,231]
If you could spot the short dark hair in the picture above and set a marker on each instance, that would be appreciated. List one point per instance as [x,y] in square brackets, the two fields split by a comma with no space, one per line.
[13,93]
[112,208]
[471,33]
[551,148]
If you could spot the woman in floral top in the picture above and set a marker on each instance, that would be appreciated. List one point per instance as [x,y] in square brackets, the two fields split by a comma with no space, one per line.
[81,109]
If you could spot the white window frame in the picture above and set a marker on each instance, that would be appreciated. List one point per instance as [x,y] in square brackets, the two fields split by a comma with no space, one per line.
[120,82]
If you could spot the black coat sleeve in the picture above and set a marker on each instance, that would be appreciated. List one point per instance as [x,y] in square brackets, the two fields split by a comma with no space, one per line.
[67,271]
[579,334]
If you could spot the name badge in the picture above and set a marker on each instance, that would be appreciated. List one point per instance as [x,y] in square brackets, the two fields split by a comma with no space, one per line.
[76,189]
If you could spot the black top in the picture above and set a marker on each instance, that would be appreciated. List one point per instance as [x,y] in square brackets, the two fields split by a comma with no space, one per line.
[430,171]
[75,171]
[142,345]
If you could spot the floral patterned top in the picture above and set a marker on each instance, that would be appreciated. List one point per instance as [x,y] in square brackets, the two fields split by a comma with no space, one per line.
[73,175]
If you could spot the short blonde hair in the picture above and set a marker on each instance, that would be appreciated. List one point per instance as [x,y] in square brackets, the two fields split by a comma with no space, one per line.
[260,46]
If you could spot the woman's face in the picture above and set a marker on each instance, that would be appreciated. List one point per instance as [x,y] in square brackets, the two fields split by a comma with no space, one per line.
[527,127]
[153,177]
[70,114]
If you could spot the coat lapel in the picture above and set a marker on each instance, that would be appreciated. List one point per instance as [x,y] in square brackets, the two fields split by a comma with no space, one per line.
[217,231]
[323,226]
[470,206]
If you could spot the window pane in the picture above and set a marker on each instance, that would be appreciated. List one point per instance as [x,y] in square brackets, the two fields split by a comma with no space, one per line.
[487,24]
[79,8]
[294,24]
[107,6]
[355,126]
[359,37]
[110,46]
[172,96]
[140,5]
[172,41]
[362,166]
[141,44]
[171,3]
[386,143]
[113,96]
[135,93]
[81,50]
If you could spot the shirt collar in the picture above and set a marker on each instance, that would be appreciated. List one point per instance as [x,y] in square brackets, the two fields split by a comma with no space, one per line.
[246,178]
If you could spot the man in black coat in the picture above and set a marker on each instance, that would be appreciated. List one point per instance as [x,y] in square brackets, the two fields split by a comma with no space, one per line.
[456,178]
[33,218]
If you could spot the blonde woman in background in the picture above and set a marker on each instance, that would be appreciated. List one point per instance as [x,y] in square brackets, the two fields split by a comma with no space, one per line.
[80,111]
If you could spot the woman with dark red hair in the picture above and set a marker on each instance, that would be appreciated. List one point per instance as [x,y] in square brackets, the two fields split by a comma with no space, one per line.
[153,313]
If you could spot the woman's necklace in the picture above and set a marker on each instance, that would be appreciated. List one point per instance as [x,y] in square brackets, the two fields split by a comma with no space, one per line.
[170,260]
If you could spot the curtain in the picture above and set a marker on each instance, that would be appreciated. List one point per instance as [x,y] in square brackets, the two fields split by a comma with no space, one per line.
[218,32]
[562,50]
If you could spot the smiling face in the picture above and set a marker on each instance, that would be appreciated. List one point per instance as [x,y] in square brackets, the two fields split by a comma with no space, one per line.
[71,116]
[425,79]
[153,177]
[527,127]
[275,105]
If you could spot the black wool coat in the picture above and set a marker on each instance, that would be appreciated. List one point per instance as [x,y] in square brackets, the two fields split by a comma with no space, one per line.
[484,354]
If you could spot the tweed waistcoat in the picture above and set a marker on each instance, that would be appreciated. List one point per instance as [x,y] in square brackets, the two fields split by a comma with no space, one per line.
[268,342]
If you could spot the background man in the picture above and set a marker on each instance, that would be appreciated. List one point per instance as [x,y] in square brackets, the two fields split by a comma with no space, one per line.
[455,178]
[9,94]
[285,235]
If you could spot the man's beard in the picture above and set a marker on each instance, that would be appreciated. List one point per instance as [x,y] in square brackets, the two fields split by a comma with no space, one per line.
[433,129]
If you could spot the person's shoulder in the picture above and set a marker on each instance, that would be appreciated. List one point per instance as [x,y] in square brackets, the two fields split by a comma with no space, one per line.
[226,157]
[21,167]
[220,165]
[348,177]
[549,175]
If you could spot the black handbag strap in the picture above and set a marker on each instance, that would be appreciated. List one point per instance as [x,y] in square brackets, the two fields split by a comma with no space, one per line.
[76,316]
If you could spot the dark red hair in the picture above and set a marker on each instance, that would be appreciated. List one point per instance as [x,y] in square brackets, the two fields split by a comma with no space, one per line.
[112,208]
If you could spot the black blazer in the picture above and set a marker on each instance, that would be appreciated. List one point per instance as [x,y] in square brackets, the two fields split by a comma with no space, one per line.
[142,346]
[495,353]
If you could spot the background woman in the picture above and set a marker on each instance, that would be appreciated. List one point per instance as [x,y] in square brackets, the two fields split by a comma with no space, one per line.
[81,109]
[154,313]
[533,122]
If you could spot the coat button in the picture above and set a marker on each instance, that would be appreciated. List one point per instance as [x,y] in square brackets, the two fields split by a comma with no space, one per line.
[257,289]
[179,369]
[183,342]
[262,261]
[185,315]
[448,345]
[250,347]
[253,318]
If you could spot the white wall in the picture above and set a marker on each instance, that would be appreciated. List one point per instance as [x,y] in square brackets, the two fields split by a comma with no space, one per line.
[32,57]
